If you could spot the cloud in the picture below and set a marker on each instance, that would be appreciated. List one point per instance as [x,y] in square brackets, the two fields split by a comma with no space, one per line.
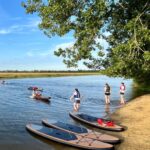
[39,53]
[49,52]
[4,31]
[45,53]
[30,26]
[30,54]
[34,23]
[64,45]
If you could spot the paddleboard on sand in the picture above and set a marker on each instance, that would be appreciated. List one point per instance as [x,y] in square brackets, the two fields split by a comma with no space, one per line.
[82,131]
[96,122]
[68,138]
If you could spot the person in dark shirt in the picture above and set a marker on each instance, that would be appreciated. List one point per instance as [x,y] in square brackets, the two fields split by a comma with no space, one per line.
[107,93]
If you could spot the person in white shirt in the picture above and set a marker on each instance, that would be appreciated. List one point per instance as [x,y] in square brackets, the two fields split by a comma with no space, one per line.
[122,92]
[76,98]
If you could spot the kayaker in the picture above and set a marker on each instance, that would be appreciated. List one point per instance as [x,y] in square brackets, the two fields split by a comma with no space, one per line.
[33,94]
[76,98]
[122,91]
[36,93]
[107,93]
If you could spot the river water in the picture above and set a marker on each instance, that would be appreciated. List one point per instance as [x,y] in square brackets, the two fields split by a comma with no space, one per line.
[17,109]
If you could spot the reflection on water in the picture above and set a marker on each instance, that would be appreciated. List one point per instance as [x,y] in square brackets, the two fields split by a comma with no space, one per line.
[17,108]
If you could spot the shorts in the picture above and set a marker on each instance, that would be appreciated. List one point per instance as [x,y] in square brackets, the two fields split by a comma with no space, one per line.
[78,101]
[121,93]
[107,93]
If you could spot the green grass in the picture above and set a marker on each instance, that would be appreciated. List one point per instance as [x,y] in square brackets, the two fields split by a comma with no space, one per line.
[7,75]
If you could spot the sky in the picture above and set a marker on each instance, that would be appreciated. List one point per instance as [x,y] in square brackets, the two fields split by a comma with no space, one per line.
[23,46]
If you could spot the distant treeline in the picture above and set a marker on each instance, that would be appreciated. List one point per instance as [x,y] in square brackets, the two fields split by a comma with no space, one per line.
[46,71]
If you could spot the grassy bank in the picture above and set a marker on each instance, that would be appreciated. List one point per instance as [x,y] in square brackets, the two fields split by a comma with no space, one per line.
[136,117]
[6,75]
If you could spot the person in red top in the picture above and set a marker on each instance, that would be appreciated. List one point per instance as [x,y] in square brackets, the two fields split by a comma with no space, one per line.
[122,91]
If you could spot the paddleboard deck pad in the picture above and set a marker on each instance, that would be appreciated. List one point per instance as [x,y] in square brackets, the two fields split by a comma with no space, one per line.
[68,138]
[96,122]
[81,131]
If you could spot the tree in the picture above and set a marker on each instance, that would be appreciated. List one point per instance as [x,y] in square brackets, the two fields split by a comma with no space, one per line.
[127,23]
[129,42]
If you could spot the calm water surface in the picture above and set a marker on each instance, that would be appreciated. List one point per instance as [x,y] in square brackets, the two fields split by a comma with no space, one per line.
[17,109]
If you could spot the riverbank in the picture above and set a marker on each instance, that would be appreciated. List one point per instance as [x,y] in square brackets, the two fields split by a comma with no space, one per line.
[7,75]
[136,117]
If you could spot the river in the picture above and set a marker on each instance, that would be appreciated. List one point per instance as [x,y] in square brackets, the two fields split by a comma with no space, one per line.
[17,109]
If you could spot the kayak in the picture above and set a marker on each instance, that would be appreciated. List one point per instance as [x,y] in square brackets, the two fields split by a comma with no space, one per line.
[42,98]
[96,122]
[84,132]
[68,138]
[35,88]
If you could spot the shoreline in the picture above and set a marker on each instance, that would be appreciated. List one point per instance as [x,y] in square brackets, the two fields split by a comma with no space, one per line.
[135,115]
[15,75]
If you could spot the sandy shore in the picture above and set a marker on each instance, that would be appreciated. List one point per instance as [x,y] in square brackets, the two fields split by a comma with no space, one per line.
[136,117]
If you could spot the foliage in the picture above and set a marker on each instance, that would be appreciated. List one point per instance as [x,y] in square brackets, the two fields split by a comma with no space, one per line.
[126,21]
[129,41]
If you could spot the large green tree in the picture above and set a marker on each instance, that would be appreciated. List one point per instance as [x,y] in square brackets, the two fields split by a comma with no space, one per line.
[124,24]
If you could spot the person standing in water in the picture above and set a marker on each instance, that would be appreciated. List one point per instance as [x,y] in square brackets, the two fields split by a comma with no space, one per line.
[122,91]
[107,93]
[76,98]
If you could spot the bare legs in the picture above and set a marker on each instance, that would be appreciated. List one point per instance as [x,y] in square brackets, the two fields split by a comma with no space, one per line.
[122,101]
[76,106]
[107,99]
[107,110]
